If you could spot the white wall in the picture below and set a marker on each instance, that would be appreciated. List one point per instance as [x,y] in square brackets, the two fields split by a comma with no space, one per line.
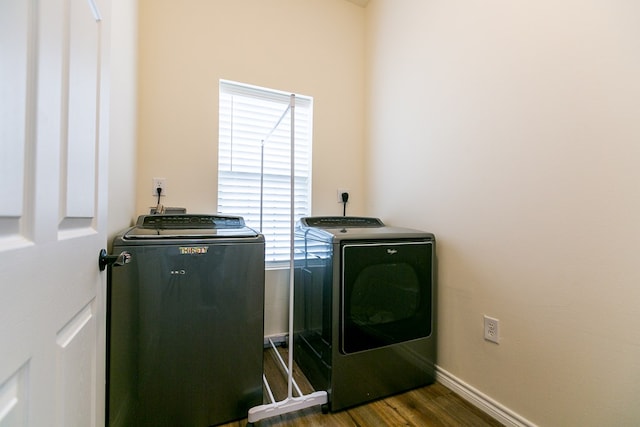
[311,47]
[122,130]
[512,131]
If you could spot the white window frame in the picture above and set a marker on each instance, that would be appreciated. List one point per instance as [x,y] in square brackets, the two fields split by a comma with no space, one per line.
[248,116]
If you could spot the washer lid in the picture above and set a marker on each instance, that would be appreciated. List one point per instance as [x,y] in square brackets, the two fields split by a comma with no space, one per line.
[189,226]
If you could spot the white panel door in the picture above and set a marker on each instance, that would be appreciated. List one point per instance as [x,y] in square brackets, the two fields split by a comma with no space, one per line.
[53,97]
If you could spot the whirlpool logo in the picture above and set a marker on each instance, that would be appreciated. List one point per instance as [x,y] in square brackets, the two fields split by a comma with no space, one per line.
[392,251]
[193,250]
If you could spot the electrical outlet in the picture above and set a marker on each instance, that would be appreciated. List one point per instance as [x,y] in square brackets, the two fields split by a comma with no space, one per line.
[491,329]
[159,183]
[340,191]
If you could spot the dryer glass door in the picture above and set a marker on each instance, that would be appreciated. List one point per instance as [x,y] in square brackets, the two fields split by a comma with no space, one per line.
[386,293]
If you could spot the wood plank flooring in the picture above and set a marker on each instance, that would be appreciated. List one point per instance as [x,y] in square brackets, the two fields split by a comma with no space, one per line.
[430,406]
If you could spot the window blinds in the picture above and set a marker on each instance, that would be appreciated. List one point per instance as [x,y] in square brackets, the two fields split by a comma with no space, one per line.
[251,151]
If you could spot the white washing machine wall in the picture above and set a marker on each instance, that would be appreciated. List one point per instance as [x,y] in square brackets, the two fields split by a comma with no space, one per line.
[364,310]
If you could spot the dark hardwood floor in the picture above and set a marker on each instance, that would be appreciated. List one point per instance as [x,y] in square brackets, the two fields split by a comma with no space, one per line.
[433,405]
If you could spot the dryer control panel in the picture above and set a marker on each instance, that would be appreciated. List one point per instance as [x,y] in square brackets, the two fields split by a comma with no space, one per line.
[341,221]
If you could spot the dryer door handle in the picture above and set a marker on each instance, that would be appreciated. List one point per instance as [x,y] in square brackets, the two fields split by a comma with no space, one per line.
[105,260]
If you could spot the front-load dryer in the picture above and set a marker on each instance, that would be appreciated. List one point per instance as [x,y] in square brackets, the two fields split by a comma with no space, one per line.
[364,308]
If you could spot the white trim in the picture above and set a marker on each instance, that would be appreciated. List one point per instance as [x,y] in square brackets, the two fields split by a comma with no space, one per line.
[472,395]
[480,400]
[282,339]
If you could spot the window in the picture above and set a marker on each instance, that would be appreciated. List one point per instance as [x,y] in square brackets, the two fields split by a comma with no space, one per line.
[254,168]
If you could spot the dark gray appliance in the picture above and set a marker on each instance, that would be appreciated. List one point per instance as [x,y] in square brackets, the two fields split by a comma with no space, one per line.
[185,322]
[364,308]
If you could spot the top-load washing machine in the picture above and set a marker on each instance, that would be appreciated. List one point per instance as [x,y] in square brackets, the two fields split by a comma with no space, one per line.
[364,308]
[185,322]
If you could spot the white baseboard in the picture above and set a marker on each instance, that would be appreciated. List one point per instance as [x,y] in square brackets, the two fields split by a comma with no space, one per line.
[472,395]
[480,400]
[277,339]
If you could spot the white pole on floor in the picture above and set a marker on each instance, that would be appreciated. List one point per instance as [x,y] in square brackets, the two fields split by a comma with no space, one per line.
[291,403]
